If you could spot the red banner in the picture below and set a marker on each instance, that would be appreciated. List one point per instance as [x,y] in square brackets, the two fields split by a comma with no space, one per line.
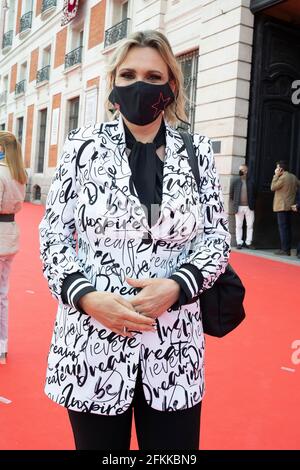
[69,11]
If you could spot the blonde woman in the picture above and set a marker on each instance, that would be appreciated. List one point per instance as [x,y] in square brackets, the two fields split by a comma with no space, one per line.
[12,191]
[128,333]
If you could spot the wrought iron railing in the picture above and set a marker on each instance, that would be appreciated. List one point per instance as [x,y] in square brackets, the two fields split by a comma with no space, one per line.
[74,57]
[7,39]
[20,87]
[116,32]
[47,4]
[3,98]
[26,21]
[43,74]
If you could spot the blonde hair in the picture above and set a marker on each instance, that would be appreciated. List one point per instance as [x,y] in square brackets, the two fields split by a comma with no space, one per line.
[13,156]
[158,41]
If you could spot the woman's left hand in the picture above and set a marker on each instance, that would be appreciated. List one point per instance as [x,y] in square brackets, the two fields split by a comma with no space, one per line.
[156,296]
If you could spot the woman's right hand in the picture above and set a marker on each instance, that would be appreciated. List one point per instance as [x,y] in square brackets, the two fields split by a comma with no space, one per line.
[115,313]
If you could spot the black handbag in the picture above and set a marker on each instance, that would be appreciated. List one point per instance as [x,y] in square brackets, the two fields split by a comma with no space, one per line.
[222,304]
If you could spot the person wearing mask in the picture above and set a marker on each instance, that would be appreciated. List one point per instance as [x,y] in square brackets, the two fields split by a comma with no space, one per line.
[284,185]
[243,197]
[12,192]
[129,332]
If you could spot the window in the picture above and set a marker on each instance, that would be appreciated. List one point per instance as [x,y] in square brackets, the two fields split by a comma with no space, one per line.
[42,138]
[10,17]
[8,12]
[26,18]
[20,85]
[23,71]
[4,90]
[73,113]
[27,5]
[20,125]
[76,37]
[189,67]
[119,11]
[2,127]
[43,73]
[74,57]
[5,83]
[46,56]
[124,10]
[119,23]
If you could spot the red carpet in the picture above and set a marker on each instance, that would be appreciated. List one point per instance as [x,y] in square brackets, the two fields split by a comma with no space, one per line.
[251,402]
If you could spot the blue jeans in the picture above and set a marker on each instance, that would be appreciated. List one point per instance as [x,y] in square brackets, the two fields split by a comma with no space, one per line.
[284,219]
[5,265]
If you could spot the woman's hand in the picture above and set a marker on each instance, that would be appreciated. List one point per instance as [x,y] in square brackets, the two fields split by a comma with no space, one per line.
[115,313]
[156,296]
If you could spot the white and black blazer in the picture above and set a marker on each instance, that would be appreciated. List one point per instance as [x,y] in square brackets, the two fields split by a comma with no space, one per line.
[95,234]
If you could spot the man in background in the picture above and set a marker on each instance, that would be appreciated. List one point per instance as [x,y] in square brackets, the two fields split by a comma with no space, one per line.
[285,185]
[243,197]
[296,208]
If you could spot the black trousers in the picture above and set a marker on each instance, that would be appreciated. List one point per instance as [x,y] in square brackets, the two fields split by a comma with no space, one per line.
[156,430]
[284,219]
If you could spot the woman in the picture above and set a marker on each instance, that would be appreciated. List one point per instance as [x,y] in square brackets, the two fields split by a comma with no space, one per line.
[128,332]
[12,191]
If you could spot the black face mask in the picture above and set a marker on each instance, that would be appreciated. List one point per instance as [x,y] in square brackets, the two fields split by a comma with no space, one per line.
[141,103]
[241,173]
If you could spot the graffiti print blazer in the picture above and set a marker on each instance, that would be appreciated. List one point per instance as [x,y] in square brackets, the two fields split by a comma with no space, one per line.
[95,234]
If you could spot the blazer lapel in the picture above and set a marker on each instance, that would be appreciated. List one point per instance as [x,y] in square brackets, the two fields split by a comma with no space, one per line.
[177,175]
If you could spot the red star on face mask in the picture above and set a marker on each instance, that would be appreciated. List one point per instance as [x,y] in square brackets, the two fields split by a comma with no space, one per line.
[160,105]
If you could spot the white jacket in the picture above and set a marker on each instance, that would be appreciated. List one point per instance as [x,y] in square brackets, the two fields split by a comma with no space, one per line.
[12,195]
[89,367]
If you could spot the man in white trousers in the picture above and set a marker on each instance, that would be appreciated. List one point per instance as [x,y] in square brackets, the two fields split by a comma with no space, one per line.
[242,195]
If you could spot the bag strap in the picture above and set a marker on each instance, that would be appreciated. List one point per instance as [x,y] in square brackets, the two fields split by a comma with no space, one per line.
[188,141]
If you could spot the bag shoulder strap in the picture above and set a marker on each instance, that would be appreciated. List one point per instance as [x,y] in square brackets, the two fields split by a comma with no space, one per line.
[188,141]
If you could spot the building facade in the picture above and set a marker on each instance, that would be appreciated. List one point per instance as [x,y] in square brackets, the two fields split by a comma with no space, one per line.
[52,76]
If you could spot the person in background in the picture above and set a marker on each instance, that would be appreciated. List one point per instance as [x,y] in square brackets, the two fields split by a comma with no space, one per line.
[284,185]
[242,195]
[296,208]
[12,192]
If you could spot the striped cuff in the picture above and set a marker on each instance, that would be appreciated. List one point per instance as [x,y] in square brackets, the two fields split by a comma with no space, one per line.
[190,280]
[74,287]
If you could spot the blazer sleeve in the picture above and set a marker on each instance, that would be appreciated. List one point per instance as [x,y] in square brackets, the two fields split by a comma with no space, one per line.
[61,266]
[210,249]
[277,182]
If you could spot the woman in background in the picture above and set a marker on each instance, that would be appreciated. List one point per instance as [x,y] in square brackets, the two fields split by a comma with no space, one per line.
[12,191]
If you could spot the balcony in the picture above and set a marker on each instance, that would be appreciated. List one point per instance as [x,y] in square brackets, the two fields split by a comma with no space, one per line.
[3,98]
[116,32]
[20,88]
[7,39]
[26,22]
[48,5]
[73,58]
[43,74]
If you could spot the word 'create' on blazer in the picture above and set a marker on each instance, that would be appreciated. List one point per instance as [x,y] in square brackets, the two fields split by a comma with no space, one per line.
[90,368]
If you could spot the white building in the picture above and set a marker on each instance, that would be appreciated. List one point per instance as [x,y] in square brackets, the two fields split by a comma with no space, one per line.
[52,77]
